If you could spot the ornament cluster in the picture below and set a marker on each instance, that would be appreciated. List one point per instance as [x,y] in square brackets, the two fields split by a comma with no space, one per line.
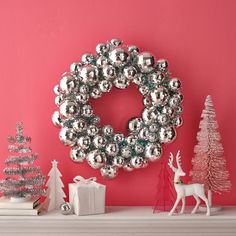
[117,65]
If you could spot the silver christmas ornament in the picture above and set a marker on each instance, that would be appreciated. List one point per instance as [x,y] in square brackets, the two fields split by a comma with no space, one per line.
[153,127]
[115,42]
[109,172]
[117,138]
[66,208]
[82,98]
[102,48]
[118,56]
[130,72]
[101,61]
[153,152]
[112,149]
[79,125]
[77,154]
[92,130]
[109,72]
[84,142]
[59,100]
[144,90]
[150,114]
[139,80]
[128,167]
[145,62]
[136,162]
[126,152]
[162,65]
[118,161]
[56,119]
[75,66]
[160,96]
[145,163]
[121,82]
[107,130]
[133,49]
[56,89]
[135,124]
[152,137]
[156,78]
[87,58]
[177,121]
[96,159]
[84,89]
[174,84]
[174,102]
[68,109]
[67,136]
[144,133]
[105,86]
[167,110]
[89,74]
[95,93]
[166,134]
[139,149]
[162,119]
[99,141]
[87,111]
[147,102]
[131,139]
[67,84]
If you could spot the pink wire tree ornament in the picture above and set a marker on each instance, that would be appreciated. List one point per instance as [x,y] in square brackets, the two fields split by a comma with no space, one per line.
[209,164]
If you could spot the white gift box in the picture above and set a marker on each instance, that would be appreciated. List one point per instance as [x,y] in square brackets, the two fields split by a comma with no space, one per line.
[87,196]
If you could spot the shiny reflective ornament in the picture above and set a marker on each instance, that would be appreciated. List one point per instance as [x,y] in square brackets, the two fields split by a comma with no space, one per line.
[115,42]
[87,111]
[109,72]
[153,127]
[162,65]
[56,89]
[56,119]
[87,58]
[118,56]
[84,89]
[147,102]
[79,125]
[144,90]
[179,109]
[77,154]
[101,61]
[152,137]
[145,163]
[82,98]
[118,161]
[135,124]
[96,159]
[99,141]
[67,84]
[105,86]
[68,109]
[107,130]
[95,93]
[66,208]
[84,142]
[67,136]
[160,96]
[174,102]
[156,78]
[131,139]
[102,48]
[92,130]
[149,115]
[89,74]
[130,72]
[121,82]
[177,121]
[126,152]
[112,149]
[58,100]
[133,49]
[139,149]
[174,84]
[75,67]
[166,134]
[136,162]
[162,119]
[118,138]
[109,172]
[145,62]
[153,152]
[95,120]
[144,133]
[128,167]
[139,80]
[167,110]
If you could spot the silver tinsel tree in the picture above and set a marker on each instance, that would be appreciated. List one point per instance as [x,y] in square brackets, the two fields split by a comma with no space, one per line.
[209,165]
[23,179]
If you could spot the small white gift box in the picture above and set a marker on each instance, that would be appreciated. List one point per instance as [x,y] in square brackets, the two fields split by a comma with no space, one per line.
[87,196]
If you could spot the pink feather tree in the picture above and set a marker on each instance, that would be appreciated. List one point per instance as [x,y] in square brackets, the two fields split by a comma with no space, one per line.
[209,164]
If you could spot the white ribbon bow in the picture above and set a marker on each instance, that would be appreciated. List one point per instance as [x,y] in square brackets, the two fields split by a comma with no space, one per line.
[80,179]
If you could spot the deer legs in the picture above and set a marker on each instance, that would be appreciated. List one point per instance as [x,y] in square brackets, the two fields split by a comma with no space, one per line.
[183,206]
[174,207]
[197,204]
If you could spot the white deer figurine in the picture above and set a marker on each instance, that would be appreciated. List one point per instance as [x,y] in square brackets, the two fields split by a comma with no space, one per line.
[184,190]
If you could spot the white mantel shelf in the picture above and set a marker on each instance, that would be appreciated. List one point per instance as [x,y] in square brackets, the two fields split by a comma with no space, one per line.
[122,221]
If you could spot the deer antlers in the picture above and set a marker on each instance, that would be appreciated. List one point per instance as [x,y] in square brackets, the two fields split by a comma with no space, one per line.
[178,161]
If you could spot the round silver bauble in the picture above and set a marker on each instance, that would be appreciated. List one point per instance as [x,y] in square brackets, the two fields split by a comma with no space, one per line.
[177,121]
[56,89]
[128,167]
[96,159]
[99,141]
[135,124]
[77,154]
[58,100]
[105,86]
[166,134]
[130,72]
[84,142]
[95,93]
[107,130]
[145,62]
[115,42]
[121,82]
[75,67]
[126,152]
[84,89]
[150,114]
[117,138]
[147,102]
[87,111]
[109,172]
[68,109]
[153,152]
[102,49]
[87,58]
[144,90]
[82,98]
[118,57]
[139,148]
[131,139]
[153,127]
[160,96]
[89,74]
[67,84]
[133,50]
[79,125]
[136,162]
[112,149]
[101,61]
[67,136]
[143,133]
[152,137]
[162,65]
[174,84]
[162,119]
[167,110]
[66,208]
[118,161]
[109,72]
[56,119]
[92,130]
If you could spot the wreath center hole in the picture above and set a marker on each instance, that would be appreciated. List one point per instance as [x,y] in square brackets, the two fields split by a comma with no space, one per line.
[117,107]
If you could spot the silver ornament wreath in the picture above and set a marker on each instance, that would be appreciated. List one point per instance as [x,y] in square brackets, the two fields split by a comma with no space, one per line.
[118,65]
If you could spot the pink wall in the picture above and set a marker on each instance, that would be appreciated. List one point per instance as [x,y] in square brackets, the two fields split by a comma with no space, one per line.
[39,40]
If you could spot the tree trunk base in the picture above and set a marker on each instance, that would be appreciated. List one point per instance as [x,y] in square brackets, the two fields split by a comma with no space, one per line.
[203,208]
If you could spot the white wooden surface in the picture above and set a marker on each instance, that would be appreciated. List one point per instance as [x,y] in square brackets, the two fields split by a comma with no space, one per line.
[122,221]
